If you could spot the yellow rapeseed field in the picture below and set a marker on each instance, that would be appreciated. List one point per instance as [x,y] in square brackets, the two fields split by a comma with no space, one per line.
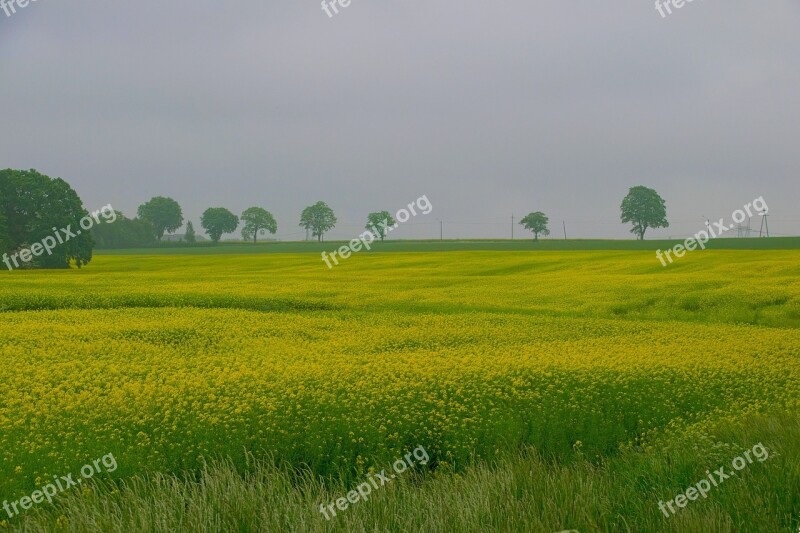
[169,360]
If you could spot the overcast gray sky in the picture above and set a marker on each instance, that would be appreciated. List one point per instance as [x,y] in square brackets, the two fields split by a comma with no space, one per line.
[488,108]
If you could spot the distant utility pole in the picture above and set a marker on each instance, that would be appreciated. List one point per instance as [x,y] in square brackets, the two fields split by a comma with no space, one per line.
[512,226]
[441,230]
[764,223]
[564,222]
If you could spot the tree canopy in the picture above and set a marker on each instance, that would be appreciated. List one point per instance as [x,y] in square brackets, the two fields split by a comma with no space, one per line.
[379,222]
[537,223]
[31,205]
[257,219]
[318,218]
[124,233]
[164,214]
[217,221]
[645,209]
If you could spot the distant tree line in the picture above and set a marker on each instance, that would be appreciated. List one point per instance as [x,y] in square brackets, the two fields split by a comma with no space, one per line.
[642,207]
[162,216]
[32,205]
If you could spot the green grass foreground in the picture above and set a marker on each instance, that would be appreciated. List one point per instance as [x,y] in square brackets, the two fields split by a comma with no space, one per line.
[525,493]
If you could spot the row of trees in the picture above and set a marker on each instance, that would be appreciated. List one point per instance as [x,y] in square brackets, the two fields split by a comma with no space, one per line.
[32,205]
[642,207]
[164,215]
[161,215]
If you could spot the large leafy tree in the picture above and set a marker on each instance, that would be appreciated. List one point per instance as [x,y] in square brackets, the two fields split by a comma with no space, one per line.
[257,220]
[217,221]
[644,208]
[537,223]
[318,218]
[164,214]
[380,223]
[31,205]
